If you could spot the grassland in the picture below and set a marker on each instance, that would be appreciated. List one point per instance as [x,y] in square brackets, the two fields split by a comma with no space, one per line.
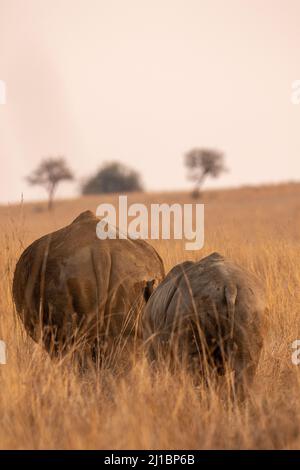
[44,405]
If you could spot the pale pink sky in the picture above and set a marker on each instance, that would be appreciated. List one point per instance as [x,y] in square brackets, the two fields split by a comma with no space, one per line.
[142,81]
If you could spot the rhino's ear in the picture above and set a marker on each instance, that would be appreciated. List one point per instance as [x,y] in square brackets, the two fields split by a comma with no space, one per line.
[149,288]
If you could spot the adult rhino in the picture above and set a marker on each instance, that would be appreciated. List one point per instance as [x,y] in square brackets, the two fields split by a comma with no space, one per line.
[75,291]
[208,313]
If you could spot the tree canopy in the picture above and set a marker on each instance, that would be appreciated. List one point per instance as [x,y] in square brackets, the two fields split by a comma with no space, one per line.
[113,177]
[49,173]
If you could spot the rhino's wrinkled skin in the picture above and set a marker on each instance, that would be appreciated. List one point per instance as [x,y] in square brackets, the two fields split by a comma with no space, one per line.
[71,288]
[209,313]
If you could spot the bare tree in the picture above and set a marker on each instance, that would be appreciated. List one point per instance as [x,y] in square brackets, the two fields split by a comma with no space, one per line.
[50,172]
[203,163]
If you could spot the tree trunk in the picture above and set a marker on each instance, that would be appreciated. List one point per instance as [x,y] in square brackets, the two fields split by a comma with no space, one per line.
[50,198]
[196,192]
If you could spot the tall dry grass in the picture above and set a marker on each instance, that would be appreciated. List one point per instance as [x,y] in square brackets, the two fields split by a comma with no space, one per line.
[46,405]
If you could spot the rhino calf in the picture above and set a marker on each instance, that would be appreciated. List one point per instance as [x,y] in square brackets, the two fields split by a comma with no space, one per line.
[209,314]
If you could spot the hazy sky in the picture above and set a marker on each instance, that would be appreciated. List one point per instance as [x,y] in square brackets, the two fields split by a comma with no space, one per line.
[143,81]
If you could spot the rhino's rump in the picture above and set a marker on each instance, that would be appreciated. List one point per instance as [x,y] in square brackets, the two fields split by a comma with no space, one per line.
[70,283]
[216,300]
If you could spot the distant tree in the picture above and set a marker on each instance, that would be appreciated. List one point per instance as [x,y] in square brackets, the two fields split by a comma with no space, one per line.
[203,163]
[50,172]
[113,177]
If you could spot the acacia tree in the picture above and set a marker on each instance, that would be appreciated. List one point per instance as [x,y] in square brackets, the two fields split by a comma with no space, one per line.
[50,172]
[113,177]
[203,163]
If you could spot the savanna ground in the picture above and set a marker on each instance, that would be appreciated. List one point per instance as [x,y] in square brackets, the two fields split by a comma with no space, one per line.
[46,405]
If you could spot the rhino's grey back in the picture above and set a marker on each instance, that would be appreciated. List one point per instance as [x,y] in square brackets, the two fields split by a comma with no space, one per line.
[209,286]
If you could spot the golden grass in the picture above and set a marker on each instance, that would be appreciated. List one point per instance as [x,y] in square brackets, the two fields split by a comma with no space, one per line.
[44,405]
